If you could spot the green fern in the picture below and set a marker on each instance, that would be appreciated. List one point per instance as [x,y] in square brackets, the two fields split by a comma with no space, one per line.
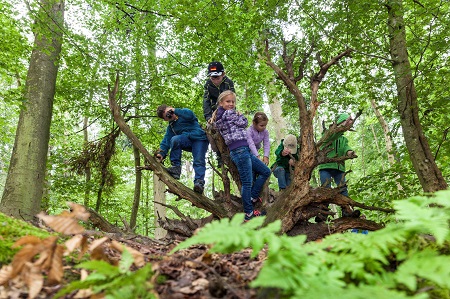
[388,263]
[115,282]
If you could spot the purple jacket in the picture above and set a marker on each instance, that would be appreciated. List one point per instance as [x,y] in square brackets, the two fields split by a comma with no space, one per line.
[232,127]
[255,139]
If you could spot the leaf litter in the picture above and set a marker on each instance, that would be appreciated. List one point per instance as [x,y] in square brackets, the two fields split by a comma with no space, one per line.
[42,267]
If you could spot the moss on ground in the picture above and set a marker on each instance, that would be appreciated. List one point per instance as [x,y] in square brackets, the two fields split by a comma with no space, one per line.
[11,230]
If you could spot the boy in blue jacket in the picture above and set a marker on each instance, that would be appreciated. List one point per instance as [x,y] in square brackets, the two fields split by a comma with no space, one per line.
[183,133]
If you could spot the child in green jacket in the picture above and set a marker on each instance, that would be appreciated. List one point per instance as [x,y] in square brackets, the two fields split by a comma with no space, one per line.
[287,155]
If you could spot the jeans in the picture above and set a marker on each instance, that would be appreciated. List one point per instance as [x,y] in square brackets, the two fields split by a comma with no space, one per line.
[338,176]
[247,163]
[283,176]
[198,148]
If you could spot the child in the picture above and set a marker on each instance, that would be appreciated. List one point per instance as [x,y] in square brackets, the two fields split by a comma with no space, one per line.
[257,134]
[287,155]
[216,83]
[183,133]
[232,126]
[338,146]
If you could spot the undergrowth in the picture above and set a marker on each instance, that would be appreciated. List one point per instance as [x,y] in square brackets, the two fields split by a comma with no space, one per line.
[407,259]
[10,231]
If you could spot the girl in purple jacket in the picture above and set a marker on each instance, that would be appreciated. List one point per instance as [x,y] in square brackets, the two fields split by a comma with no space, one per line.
[232,126]
[258,135]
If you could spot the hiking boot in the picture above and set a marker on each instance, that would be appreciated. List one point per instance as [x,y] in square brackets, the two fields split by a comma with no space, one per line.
[353,214]
[174,171]
[255,213]
[199,186]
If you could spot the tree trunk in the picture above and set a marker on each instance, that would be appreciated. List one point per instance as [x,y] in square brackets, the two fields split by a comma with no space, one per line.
[137,188]
[278,122]
[159,201]
[429,175]
[25,181]
[387,138]
[87,169]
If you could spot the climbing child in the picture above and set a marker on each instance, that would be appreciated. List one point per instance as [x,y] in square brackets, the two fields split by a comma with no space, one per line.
[287,155]
[258,135]
[232,126]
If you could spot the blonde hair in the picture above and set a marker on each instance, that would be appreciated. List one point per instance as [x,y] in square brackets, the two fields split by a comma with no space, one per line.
[222,95]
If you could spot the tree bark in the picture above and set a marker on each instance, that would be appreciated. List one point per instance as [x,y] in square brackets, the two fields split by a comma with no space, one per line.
[429,175]
[159,201]
[137,188]
[25,181]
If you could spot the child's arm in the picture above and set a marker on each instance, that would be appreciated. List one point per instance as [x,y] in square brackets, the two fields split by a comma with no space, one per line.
[266,146]
[251,142]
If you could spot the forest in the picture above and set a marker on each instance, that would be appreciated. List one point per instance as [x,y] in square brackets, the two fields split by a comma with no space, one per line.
[88,210]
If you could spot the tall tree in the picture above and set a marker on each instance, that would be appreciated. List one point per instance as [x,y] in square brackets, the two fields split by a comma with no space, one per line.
[429,175]
[25,181]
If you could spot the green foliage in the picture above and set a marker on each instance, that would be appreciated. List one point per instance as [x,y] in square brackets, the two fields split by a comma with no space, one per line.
[408,259]
[10,231]
[115,282]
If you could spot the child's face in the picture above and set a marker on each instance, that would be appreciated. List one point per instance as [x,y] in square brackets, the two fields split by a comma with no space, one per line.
[228,102]
[261,126]
[216,80]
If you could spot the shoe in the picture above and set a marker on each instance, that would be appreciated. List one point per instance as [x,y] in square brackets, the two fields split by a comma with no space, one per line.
[174,171]
[353,214]
[199,186]
[256,200]
[255,213]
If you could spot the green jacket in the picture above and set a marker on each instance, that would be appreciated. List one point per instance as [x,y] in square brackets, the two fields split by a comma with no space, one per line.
[281,160]
[339,148]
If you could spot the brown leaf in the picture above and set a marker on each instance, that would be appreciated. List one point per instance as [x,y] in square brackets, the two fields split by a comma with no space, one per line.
[73,243]
[33,278]
[61,224]
[138,257]
[25,255]
[49,245]
[56,272]
[33,240]
[97,243]
[5,274]
[79,211]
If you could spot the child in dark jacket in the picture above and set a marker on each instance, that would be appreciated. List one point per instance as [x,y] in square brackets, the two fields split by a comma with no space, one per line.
[232,126]
[287,155]
[217,83]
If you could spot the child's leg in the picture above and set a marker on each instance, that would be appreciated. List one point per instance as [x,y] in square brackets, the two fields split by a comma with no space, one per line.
[241,158]
[199,148]
[177,144]
[280,174]
[262,172]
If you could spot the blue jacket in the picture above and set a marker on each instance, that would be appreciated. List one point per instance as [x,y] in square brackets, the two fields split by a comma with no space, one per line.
[232,127]
[186,124]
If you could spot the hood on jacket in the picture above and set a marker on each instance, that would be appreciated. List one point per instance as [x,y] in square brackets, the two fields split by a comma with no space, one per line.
[342,117]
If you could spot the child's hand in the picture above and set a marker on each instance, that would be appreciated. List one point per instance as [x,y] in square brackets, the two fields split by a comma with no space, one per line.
[265,160]
[291,162]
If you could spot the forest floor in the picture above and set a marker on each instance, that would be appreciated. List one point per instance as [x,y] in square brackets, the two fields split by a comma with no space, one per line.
[188,273]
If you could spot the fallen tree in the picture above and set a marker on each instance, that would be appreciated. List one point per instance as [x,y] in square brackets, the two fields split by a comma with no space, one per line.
[297,204]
